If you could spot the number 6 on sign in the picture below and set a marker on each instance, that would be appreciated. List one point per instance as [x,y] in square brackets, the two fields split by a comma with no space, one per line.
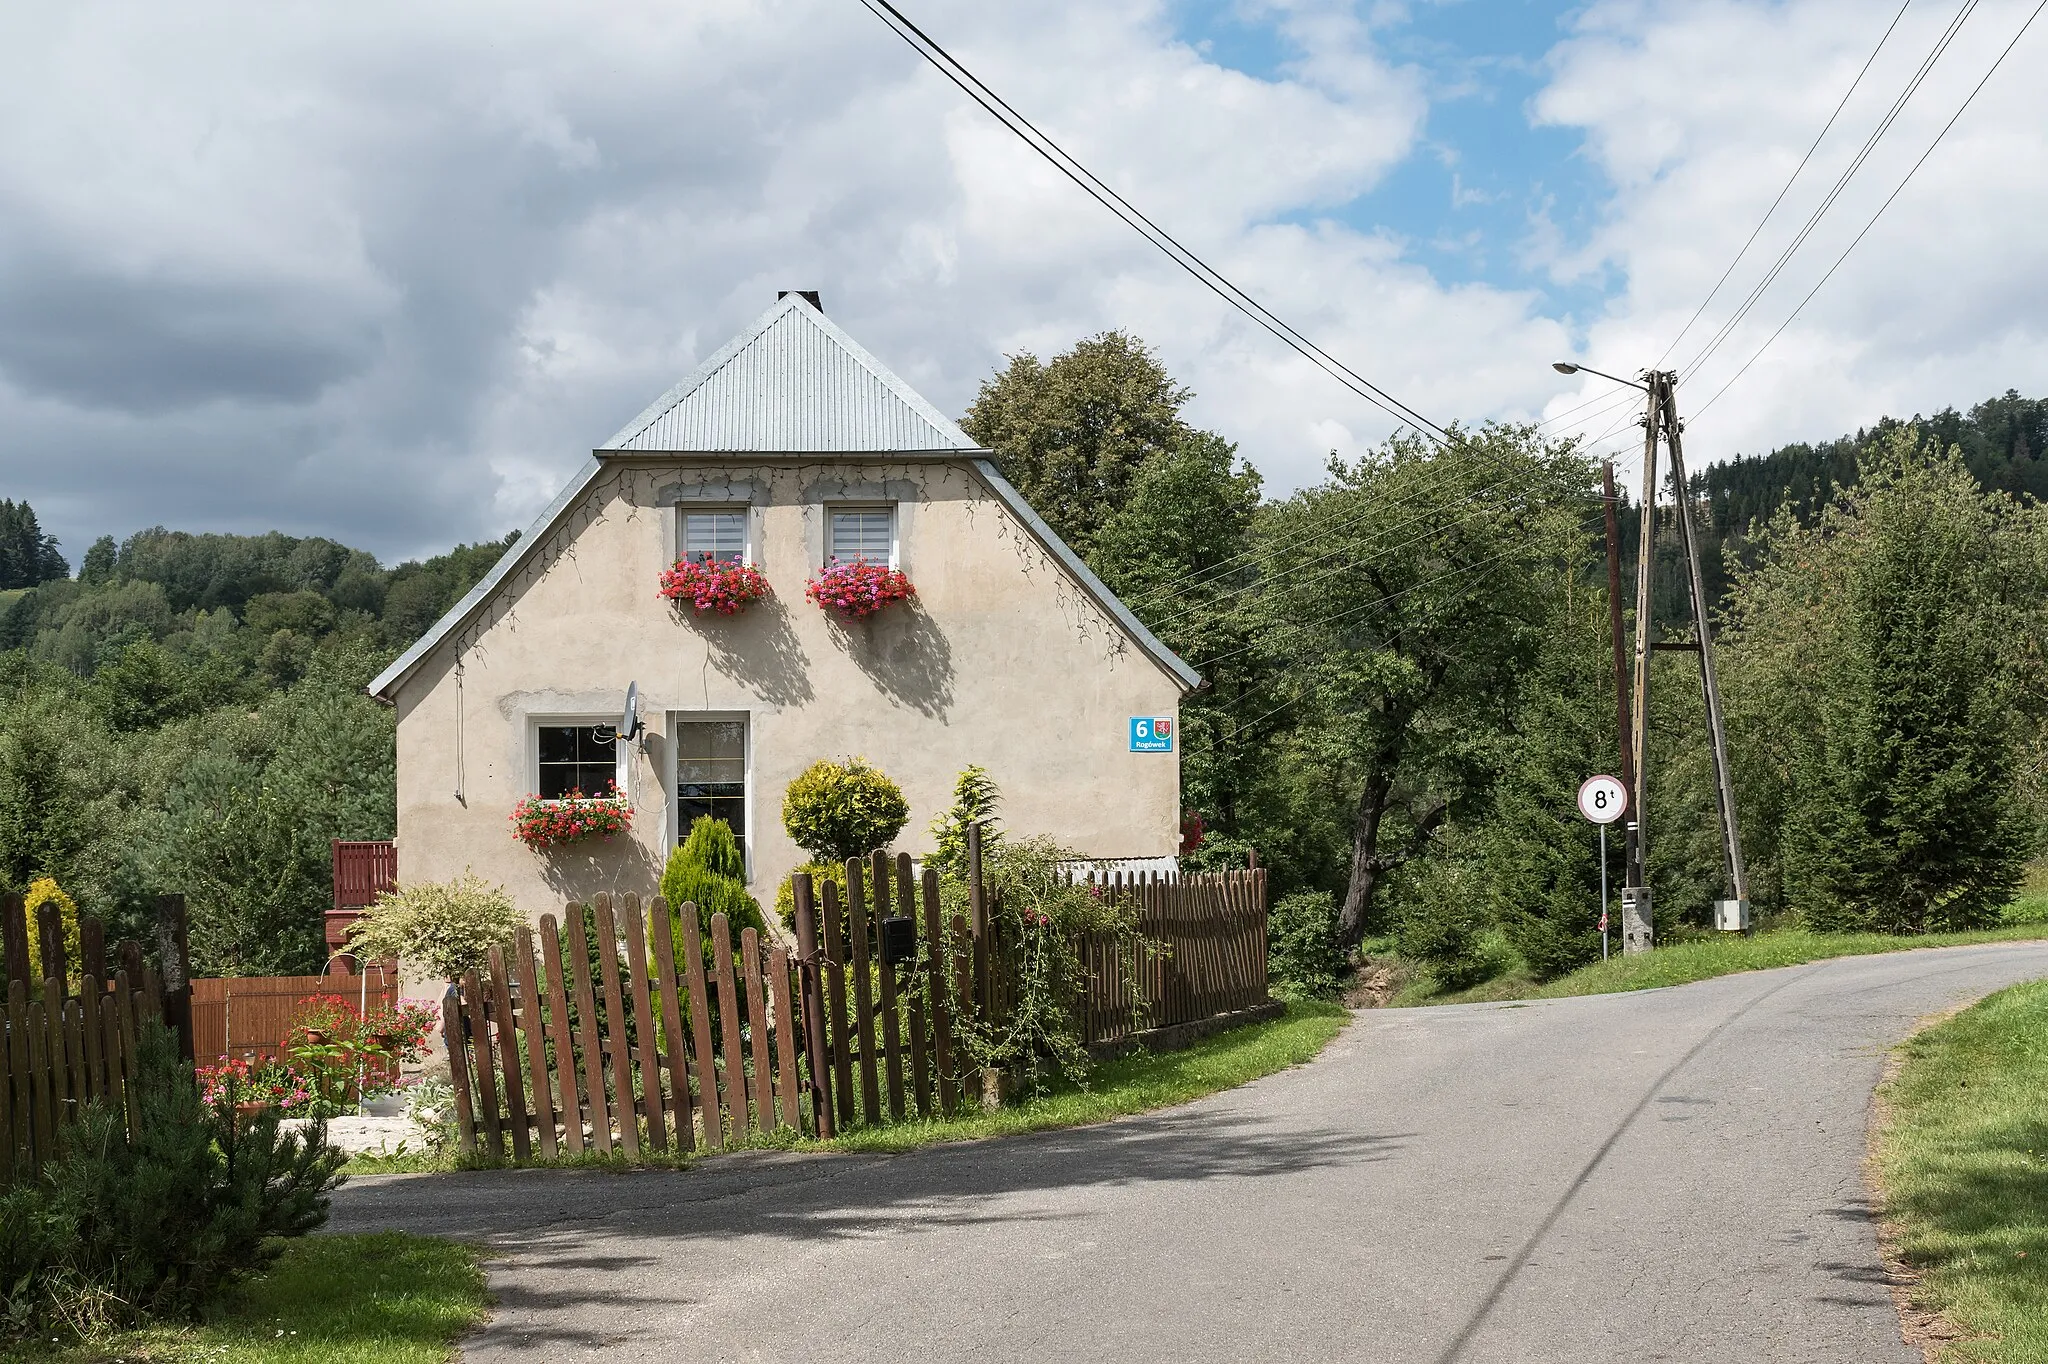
[1603,799]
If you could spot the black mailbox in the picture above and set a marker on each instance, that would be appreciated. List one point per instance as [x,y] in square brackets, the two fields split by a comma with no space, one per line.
[899,940]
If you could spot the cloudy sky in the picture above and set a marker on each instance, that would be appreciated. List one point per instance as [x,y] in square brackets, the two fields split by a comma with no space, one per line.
[386,272]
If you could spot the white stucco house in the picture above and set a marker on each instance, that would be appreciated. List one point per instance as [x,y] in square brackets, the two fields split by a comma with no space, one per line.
[789,448]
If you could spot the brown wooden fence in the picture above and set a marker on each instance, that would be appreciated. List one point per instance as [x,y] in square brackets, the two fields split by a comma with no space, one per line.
[1204,952]
[250,1017]
[634,1034]
[67,1040]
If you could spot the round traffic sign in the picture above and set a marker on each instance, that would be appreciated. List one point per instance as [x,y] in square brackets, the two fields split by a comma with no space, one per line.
[1603,799]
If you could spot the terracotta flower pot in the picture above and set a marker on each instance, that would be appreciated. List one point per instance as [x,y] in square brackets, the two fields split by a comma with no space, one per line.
[384,1041]
[316,1037]
[251,1108]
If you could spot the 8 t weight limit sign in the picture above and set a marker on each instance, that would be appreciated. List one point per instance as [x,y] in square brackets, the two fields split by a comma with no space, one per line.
[1603,799]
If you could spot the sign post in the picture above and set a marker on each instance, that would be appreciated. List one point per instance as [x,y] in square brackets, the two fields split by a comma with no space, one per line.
[1603,800]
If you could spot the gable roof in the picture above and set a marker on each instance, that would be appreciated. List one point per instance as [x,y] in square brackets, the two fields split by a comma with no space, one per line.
[791,383]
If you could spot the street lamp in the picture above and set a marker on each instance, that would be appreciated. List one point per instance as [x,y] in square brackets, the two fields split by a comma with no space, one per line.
[1566,367]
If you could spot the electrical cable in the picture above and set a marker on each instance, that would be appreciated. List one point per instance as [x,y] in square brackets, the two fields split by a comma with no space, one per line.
[949,66]
[1378,601]
[1884,126]
[1968,100]
[1787,188]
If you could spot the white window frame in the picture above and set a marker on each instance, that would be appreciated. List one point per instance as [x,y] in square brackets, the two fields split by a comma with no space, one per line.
[743,510]
[832,509]
[749,791]
[622,763]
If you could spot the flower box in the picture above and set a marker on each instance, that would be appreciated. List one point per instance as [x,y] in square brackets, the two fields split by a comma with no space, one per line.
[727,588]
[857,590]
[543,824]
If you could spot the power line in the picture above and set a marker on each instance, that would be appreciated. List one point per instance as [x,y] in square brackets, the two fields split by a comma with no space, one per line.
[949,66]
[1207,663]
[1787,189]
[1884,125]
[1968,100]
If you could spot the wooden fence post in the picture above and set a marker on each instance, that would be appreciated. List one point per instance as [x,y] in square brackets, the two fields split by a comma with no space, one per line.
[174,955]
[50,924]
[813,991]
[14,930]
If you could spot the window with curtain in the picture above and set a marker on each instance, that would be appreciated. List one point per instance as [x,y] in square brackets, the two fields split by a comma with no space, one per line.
[718,537]
[867,533]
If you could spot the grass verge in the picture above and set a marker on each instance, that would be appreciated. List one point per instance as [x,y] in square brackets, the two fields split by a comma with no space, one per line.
[1132,1084]
[1962,1157]
[1702,959]
[386,1298]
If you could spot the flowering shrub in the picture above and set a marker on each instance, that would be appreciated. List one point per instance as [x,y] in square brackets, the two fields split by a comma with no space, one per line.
[708,586]
[442,927]
[542,824]
[271,1083]
[859,589]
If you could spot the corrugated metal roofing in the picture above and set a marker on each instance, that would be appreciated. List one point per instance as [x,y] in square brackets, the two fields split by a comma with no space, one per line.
[793,382]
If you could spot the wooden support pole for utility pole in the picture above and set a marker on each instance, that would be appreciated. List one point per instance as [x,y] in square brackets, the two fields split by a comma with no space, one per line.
[1635,895]
[1614,630]
[1724,786]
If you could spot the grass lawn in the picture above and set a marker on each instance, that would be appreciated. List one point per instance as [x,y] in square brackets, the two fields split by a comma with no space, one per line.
[1962,1156]
[1133,1084]
[1701,959]
[387,1298]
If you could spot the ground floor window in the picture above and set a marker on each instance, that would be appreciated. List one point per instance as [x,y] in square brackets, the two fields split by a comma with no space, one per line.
[576,758]
[711,774]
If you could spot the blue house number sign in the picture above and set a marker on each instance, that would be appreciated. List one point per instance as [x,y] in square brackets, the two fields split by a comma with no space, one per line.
[1151,734]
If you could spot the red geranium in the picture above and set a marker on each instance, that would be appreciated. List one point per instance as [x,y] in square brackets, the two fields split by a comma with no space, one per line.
[727,588]
[541,824]
[859,589]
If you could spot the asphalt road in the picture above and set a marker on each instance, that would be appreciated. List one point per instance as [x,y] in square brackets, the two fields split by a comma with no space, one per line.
[1666,1175]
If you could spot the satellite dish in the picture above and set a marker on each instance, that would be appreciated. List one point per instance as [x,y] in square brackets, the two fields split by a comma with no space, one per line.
[629,725]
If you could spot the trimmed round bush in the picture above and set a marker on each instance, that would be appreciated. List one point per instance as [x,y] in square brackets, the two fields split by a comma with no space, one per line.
[821,872]
[839,810]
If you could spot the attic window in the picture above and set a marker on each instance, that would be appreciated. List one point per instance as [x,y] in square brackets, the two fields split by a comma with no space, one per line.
[867,533]
[718,537]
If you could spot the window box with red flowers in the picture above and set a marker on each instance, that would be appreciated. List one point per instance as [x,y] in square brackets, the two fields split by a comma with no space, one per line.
[855,591]
[728,587]
[544,824]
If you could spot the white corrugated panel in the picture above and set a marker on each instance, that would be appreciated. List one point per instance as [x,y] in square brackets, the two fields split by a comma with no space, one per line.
[799,385]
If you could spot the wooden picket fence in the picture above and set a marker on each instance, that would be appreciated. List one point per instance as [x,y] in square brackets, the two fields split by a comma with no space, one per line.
[68,1041]
[1204,951]
[619,1038]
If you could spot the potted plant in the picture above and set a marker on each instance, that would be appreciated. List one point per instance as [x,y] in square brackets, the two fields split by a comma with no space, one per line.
[707,585]
[855,591]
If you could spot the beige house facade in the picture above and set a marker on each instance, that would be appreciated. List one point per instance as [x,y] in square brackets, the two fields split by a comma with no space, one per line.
[789,448]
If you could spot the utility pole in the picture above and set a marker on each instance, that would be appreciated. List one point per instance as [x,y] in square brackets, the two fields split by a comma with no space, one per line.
[1660,419]
[1664,397]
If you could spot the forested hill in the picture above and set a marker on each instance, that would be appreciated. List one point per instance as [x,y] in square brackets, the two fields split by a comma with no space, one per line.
[2004,442]
[187,713]
[250,607]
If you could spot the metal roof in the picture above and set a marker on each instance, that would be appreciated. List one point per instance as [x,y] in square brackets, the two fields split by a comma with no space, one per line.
[791,383]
